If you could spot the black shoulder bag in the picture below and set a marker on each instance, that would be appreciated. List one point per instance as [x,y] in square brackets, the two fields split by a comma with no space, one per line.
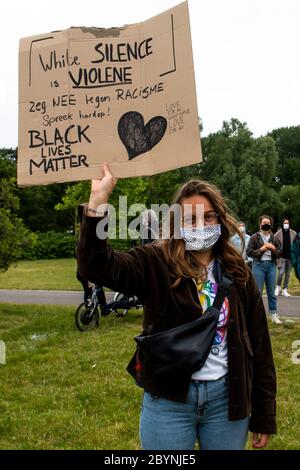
[185,347]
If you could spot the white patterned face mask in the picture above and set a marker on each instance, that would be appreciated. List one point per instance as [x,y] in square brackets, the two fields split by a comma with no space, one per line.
[201,239]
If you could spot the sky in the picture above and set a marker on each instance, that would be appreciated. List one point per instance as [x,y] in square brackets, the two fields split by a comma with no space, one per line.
[246,54]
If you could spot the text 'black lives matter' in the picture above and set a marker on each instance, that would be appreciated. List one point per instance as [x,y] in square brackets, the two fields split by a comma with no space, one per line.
[137,137]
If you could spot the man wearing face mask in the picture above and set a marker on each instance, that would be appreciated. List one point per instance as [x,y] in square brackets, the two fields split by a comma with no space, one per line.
[286,236]
[264,248]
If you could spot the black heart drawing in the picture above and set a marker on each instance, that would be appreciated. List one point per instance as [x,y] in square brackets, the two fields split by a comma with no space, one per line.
[137,137]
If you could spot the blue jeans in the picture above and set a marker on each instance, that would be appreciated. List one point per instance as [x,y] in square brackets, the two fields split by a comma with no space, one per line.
[265,272]
[169,425]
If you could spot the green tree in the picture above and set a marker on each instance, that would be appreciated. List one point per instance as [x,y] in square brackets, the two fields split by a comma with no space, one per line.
[36,203]
[135,189]
[7,163]
[37,208]
[74,195]
[14,236]
[163,186]
[287,140]
[290,197]
[244,168]
[8,194]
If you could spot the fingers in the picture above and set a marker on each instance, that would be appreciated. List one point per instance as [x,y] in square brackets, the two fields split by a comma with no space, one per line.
[107,172]
[106,169]
[259,441]
[265,439]
[106,177]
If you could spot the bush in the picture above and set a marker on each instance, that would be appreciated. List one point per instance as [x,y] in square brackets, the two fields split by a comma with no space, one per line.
[54,245]
[51,245]
[15,238]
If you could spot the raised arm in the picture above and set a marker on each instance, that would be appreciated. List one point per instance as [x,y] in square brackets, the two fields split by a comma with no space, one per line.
[97,261]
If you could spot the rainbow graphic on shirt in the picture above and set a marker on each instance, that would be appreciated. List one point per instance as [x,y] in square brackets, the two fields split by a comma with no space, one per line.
[207,292]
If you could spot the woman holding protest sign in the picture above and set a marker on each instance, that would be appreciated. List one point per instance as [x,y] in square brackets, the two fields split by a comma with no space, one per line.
[193,274]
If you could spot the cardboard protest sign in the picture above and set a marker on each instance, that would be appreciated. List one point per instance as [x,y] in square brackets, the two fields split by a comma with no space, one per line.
[121,95]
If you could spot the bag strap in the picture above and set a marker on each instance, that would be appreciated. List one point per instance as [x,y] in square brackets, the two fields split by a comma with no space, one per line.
[224,289]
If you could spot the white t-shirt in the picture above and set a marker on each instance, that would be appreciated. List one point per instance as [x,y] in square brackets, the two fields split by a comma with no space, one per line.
[267,255]
[216,365]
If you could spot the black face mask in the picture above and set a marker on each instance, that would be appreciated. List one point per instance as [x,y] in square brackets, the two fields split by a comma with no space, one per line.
[265,227]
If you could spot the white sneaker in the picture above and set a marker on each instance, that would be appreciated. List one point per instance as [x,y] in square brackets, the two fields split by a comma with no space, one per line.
[285,293]
[277,291]
[275,319]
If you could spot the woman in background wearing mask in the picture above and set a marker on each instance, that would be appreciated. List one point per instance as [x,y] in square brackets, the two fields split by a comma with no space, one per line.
[264,248]
[241,244]
[178,277]
[286,236]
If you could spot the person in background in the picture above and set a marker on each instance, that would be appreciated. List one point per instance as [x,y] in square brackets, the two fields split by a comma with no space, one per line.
[295,255]
[264,248]
[86,285]
[242,244]
[149,226]
[286,236]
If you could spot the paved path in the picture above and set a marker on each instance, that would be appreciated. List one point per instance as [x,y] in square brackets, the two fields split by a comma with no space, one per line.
[57,297]
[286,306]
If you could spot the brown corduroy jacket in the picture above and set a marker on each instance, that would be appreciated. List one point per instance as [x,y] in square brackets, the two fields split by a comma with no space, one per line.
[144,271]
[256,242]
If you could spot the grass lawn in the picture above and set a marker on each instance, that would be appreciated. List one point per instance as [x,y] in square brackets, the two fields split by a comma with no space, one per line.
[52,274]
[294,285]
[62,389]
[60,274]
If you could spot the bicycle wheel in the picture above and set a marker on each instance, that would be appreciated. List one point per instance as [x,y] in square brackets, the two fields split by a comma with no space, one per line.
[120,311]
[87,317]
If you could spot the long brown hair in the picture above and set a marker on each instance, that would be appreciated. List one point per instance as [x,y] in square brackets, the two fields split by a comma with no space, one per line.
[184,263]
